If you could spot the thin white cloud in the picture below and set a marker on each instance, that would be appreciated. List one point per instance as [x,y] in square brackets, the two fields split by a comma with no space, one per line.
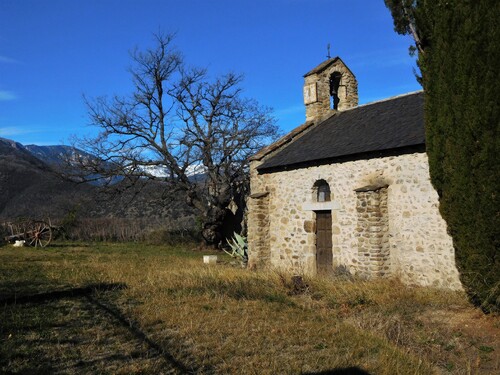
[7,60]
[12,130]
[7,95]
[38,143]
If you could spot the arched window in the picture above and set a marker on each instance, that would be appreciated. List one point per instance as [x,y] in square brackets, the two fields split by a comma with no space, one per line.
[322,191]
[334,89]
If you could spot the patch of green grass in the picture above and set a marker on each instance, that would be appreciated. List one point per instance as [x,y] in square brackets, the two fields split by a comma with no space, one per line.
[486,349]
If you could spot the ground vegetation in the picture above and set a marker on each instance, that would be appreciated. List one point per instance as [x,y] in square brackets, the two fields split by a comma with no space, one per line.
[128,308]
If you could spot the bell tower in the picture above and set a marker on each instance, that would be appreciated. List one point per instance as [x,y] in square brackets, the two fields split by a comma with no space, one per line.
[328,88]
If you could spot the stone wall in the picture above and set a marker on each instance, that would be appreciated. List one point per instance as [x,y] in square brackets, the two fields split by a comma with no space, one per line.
[373,233]
[414,246]
[259,232]
[320,108]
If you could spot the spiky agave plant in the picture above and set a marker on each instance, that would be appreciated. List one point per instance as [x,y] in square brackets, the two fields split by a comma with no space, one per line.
[239,248]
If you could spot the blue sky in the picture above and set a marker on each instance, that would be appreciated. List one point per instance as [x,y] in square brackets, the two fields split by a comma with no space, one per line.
[52,52]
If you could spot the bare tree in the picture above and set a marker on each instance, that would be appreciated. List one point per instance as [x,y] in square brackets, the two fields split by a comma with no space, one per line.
[179,121]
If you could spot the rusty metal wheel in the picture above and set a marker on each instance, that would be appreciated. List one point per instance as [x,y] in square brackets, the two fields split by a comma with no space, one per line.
[39,234]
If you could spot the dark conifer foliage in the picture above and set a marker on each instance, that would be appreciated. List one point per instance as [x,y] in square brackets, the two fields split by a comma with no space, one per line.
[460,66]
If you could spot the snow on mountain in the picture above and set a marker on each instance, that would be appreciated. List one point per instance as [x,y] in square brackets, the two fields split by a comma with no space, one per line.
[57,155]
[193,171]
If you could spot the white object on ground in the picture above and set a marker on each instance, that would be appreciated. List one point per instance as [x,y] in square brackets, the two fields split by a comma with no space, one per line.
[210,259]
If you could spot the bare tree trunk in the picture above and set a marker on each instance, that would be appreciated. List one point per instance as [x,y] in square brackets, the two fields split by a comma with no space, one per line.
[212,226]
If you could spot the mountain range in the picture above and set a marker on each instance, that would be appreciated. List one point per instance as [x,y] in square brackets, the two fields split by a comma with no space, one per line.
[52,155]
[30,187]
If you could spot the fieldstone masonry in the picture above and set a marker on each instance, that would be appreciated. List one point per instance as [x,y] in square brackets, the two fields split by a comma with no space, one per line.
[400,203]
[373,233]
[385,216]
[259,231]
[317,98]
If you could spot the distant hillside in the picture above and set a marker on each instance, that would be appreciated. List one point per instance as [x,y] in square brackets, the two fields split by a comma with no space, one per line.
[17,153]
[61,157]
[52,155]
[29,187]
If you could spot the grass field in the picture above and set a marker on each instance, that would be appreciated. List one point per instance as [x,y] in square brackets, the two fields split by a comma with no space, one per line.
[115,308]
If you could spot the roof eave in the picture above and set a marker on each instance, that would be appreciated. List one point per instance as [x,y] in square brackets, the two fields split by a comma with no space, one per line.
[287,138]
[417,147]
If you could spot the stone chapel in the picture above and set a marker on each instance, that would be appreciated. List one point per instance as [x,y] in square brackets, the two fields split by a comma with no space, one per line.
[349,190]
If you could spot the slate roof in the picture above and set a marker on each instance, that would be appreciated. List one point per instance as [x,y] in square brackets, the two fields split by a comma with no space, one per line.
[386,125]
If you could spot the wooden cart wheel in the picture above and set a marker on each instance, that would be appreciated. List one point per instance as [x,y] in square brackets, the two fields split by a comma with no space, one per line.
[40,234]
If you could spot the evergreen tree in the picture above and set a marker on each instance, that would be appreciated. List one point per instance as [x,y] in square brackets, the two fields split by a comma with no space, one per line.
[459,56]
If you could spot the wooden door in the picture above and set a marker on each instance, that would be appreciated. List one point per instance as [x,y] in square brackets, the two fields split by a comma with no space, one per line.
[324,255]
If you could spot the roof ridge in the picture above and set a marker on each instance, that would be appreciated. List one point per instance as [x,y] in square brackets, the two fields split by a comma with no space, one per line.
[382,100]
[392,123]
[325,64]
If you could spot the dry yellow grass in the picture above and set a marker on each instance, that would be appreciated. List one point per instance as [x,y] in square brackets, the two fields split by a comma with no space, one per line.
[188,317]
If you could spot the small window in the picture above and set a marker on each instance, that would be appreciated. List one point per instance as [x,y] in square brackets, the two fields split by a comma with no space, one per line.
[322,191]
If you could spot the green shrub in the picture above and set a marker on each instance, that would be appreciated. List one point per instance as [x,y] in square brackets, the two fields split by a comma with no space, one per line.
[461,70]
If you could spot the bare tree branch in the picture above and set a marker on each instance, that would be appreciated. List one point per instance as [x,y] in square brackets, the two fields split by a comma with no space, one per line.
[178,120]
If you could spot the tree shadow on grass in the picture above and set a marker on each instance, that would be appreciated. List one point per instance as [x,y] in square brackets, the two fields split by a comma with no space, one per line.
[141,335]
[340,371]
[60,294]
[84,319]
